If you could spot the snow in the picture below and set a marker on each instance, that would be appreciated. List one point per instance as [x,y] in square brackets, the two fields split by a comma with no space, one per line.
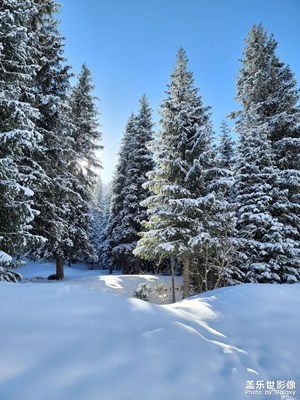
[83,338]
[28,192]
[5,258]
[78,275]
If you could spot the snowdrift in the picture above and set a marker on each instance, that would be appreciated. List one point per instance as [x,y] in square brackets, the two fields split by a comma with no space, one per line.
[78,340]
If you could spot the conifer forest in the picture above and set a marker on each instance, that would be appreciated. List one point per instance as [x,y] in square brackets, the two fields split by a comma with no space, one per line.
[217,208]
[177,276]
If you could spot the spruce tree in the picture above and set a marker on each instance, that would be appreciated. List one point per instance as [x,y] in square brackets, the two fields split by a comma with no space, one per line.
[85,143]
[51,86]
[19,137]
[269,85]
[138,163]
[226,147]
[211,244]
[114,233]
[225,162]
[263,246]
[266,90]
[182,178]
[100,214]
[86,134]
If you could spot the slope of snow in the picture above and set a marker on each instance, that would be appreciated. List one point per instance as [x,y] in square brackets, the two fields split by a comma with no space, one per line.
[74,340]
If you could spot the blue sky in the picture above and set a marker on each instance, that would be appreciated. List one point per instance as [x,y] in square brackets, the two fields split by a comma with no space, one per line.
[131,45]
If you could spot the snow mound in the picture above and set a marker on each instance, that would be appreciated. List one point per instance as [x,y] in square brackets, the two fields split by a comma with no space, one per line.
[71,340]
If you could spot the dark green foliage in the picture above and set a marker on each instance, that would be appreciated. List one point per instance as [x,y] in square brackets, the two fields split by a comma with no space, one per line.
[127,213]
[266,179]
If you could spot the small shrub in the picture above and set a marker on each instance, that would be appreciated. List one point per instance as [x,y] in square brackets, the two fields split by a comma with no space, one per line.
[143,292]
[159,294]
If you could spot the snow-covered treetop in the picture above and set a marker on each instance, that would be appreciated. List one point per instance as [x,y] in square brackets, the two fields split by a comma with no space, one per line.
[266,85]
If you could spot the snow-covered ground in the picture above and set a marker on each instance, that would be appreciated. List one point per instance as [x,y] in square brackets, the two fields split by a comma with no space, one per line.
[124,285]
[83,339]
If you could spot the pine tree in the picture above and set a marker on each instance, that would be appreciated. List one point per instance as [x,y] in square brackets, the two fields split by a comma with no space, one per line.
[226,147]
[267,93]
[262,250]
[51,86]
[268,84]
[220,255]
[182,178]
[127,214]
[100,214]
[138,163]
[211,243]
[225,162]
[114,233]
[19,138]
[86,135]
[85,143]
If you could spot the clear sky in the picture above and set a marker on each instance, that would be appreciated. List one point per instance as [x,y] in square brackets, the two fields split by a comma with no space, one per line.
[131,45]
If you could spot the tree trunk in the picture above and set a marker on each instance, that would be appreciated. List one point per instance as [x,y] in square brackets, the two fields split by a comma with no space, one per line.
[111,268]
[220,275]
[186,277]
[59,268]
[126,267]
[173,280]
[137,270]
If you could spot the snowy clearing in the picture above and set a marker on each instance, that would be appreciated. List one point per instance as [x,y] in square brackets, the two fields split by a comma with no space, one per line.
[78,275]
[78,340]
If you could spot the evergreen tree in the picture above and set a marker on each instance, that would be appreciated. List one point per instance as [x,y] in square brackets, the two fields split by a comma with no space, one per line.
[138,163]
[268,96]
[135,161]
[86,142]
[226,147]
[86,135]
[268,84]
[263,248]
[225,163]
[211,244]
[182,178]
[113,232]
[51,86]
[100,214]
[19,138]
[103,240]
